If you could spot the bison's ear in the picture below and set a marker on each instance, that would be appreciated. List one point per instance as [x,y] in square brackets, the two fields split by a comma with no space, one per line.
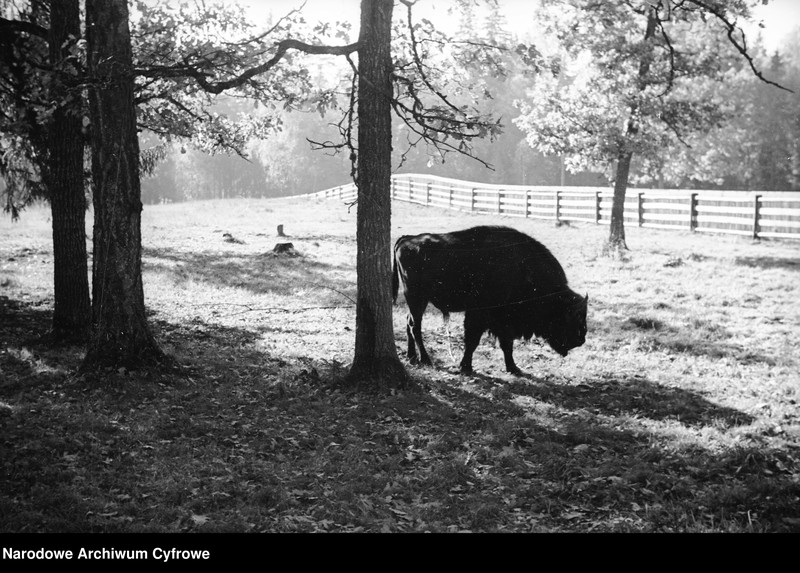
[586,299]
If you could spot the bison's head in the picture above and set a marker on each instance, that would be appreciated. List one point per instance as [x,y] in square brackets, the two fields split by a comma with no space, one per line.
[567,328]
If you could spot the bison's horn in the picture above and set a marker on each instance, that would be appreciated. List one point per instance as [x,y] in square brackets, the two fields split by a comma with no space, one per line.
[586,298]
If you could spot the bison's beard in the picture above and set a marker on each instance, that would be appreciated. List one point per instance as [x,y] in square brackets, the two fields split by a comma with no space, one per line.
[562,350]
[562,346]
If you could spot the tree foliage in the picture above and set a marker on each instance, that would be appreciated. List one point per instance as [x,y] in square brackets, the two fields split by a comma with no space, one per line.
[188,53]
[33,86]
[639,81]
[585,112]
[758,148]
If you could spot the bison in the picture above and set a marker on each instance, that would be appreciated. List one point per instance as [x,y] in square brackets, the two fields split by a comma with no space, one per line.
[503,280]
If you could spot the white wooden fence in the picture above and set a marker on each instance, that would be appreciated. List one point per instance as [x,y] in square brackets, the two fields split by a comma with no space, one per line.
[753,214]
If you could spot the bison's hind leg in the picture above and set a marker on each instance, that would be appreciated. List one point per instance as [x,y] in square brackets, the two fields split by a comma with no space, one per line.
[412,347]
[414,333]
[473,330]
[507,345]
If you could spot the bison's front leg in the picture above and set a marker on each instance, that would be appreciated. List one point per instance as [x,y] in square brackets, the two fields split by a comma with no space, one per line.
[473,330]
[507,345]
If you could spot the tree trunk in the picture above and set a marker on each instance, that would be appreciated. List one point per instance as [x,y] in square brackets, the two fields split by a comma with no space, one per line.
[121,336]
[64,181]
[616,238]
[375,363]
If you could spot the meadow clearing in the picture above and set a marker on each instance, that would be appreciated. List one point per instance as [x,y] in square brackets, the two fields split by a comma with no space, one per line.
[680,413]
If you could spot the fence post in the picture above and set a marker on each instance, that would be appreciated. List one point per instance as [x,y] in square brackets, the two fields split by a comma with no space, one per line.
[756,215]
[692,211]
[640,196]
[393,188]
[558,205]
[450,196]
[499,201]
[527,201]
[472,200]
[428,193]
[597,207]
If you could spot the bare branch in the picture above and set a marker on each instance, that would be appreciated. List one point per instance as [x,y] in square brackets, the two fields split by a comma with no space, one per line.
[740,42]
[670,50]
[418,61]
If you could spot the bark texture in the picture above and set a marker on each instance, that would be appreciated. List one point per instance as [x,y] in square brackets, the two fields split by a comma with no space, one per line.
[375,363]
[121,336]
[616,237]
[64,180]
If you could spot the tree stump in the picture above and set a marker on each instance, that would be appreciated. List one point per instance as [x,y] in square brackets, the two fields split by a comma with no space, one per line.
[280,231]
[228,238]
[285,249]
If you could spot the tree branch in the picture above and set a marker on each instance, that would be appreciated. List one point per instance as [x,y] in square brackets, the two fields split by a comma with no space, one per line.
[16,26]
[189,70]
[733,30]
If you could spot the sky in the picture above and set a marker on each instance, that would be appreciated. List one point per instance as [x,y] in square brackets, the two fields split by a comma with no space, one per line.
[779,16]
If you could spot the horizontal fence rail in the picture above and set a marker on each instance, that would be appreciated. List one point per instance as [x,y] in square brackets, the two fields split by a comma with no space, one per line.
[753,214]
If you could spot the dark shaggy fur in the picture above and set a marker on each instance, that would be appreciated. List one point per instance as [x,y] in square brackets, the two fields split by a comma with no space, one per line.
[504,281]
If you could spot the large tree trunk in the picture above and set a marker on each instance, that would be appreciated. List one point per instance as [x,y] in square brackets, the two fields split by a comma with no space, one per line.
[64,180]
[121,336]
[375,363]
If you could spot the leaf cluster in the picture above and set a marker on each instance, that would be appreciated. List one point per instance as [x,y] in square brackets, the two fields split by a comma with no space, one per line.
[32,87]
[188,53]
[630,88]
[184,55]
[759,147]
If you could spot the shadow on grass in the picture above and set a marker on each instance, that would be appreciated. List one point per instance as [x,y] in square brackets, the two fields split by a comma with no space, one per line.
[699,338]
[258,273]
[244,440]
[27,317]
[635,396]
[29,356]
[580,458]
[791,264]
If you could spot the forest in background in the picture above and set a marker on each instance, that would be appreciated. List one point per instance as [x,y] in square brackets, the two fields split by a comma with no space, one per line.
[758,148]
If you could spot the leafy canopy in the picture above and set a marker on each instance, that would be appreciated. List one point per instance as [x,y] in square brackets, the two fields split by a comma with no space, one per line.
[639,77]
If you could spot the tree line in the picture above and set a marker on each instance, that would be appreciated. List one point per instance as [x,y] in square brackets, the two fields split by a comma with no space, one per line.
[79,87]
[750,141]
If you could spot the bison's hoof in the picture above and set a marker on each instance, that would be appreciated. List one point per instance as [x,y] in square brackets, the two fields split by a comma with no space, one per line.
[515,371]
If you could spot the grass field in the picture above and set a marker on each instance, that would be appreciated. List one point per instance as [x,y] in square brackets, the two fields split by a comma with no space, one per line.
[680,413]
